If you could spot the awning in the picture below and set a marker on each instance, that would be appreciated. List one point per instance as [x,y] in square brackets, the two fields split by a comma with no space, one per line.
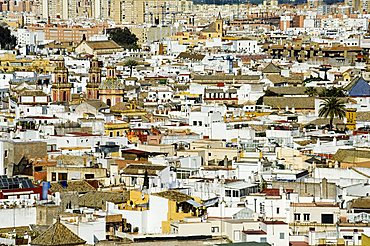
[194,203]
[211,202]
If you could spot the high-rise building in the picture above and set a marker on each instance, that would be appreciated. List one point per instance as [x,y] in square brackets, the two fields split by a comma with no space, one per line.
[154,12]
[66,9]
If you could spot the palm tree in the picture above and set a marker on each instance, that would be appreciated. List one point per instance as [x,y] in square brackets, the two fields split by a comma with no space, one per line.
[131,64]
[311,91]
[332,107]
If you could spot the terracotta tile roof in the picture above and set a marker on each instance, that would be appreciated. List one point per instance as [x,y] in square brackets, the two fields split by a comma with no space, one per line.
[291,102]
[275,192]
[174,196]
[351,155]
[277,222]
[80,186]
[289,90]
[32,93]
[278,79]
[254,232]
[363,116]
[103,45]
[57,234]
[271,68]
[363,202]
[140,169]
[225,78]
[210,28]
[97,199]
[190,56]
[315,204]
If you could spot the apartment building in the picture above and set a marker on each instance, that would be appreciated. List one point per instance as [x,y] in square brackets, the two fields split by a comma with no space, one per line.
[64,33]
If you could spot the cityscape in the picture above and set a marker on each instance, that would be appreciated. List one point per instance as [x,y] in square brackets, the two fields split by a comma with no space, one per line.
[185,122]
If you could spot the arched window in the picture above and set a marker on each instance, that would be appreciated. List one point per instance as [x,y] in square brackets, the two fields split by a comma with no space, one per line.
[109,103]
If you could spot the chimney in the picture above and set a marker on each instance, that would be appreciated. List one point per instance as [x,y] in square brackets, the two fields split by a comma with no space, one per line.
[281,191]
[324,188]
[226,161]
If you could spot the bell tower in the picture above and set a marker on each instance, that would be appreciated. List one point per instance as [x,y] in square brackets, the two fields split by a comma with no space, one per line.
[219,25]
[111,90]
[61,88]
[92,86]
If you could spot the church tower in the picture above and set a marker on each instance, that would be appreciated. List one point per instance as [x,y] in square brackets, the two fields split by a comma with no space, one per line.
[111,90]
[61,88]
[219,23]
[92,86]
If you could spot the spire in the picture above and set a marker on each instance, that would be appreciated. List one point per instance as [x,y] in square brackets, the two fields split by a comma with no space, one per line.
[219,16]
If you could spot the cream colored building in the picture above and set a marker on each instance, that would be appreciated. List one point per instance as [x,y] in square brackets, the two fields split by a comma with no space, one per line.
[154,11]
[148,34]
[98,47]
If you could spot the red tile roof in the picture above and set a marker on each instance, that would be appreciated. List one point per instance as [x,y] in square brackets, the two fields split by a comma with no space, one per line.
[254,232]
[275,192]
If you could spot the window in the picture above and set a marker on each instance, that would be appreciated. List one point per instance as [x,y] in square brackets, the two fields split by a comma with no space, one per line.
[282,235]
[277,210]
[62,176]
[235,193]
[237,235]
[348,237]
[263,240]
[194,123]
[215,229]
[6,154]
[327,218]
[262,208]
[306,217]
[297,217]
[89,176]
[200,123]
[38,169]
[228,193]
[53,176]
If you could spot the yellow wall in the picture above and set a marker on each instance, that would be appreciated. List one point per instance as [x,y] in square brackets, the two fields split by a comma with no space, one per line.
[172,215]
[365,240]
[137,197]
[351,116]
[119,128]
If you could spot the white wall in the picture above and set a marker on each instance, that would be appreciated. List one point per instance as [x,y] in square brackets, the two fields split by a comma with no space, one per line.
[88,230]
[17,217]
[157,213]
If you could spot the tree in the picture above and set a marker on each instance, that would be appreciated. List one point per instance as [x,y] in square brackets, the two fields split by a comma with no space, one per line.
[332,107]
[146,180]
[268,93]
[124,37]
[332,92]
[7,40]
[131,64]
[311,91]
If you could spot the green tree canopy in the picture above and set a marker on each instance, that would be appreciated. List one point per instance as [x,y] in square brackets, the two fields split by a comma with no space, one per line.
[131,64]
[332,107]
[332,92]
[311,91]
[7,40]
[124,37]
